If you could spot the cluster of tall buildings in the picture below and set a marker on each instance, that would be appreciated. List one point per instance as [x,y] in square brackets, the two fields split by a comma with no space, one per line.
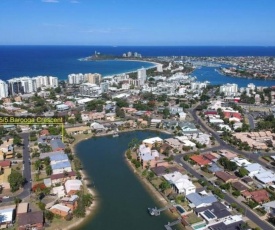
[76,79]
[229,89]
[130,54]
[23,85]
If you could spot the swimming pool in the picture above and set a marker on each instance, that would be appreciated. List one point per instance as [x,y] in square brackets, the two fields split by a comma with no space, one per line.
[180,209]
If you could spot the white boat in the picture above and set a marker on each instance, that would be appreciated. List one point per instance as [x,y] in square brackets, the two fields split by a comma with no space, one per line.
[115,135]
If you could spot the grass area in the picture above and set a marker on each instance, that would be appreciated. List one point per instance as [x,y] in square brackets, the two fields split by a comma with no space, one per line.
[192,218]
[59,223]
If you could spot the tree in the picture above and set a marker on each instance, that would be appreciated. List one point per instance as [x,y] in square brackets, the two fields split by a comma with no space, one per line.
[242,172]
[47,161]
[49,170]
[49,215]
[38,165]
[17,140]
[16,180]
[164,185]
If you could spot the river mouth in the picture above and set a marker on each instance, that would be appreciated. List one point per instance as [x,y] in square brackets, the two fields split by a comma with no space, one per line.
[123,199]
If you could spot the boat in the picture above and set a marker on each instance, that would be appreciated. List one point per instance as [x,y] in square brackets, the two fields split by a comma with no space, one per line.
[115,135]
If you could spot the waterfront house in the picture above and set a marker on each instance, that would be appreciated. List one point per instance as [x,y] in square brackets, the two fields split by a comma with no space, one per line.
[110,116]
[180,183]
[55,159]
[57,145]
[70,202]
[59,191]
[78,130]
[60,210]
[150,142]
[72,186]
[48,154]
[147,157]
[31,220]
[62,177]
[61,167]
[97,127]
[202,199]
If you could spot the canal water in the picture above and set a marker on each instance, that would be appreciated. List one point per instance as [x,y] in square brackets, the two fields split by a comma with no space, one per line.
[122,198]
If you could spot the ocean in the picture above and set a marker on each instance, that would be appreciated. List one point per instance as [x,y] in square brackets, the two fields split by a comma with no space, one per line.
[59,61]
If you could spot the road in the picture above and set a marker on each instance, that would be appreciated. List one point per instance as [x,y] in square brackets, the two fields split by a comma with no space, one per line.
[223,145]
[228,198]
[251,121]
[26,171]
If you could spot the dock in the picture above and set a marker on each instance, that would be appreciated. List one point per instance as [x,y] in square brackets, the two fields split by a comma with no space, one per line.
[156,211]
[170,224]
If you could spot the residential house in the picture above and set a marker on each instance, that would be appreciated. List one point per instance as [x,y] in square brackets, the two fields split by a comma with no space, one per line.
[70,202]
[47,182]
[227,154]
[270,208]
[200,160]
[57,145]
[78,130]
[259,196]
[226,177]
[62,177]
[213,213]
[162,170]
[147,156]
[151,142]
[72,186]
[187,127]
[7,215]
[48,154]
[98,127]
[110,116]
[31,220]
[198,200]
[55,159]
[61,167]
[60,210]
[230,223]
[173,142]
[22,208]
[239,186]
[59,191]
[180,183]
[44,132]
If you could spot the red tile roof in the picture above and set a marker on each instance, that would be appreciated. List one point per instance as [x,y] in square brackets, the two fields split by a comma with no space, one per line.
[200,160]
[232,114]
[5,163]
[260,196]
[209,156]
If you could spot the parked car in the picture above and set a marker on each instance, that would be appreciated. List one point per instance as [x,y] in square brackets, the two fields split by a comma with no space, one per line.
[6,197]
[224,191]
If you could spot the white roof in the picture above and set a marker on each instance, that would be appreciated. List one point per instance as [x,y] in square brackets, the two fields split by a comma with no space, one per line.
[156,120]
[254,167]
[174,177]
[152,140]
[240,161]
[72,185]
[188,143]
[266,176]
[60,191]
[6,214]
[270,204]
[60,207]
[181,138]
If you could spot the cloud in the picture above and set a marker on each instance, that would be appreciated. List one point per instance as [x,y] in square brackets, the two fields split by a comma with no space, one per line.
[50,1]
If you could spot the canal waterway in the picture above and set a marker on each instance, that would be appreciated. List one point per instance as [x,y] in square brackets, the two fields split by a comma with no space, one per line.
[122,198]
[215,78]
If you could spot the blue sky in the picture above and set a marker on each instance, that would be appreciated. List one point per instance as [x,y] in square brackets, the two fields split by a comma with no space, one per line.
[137,22]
